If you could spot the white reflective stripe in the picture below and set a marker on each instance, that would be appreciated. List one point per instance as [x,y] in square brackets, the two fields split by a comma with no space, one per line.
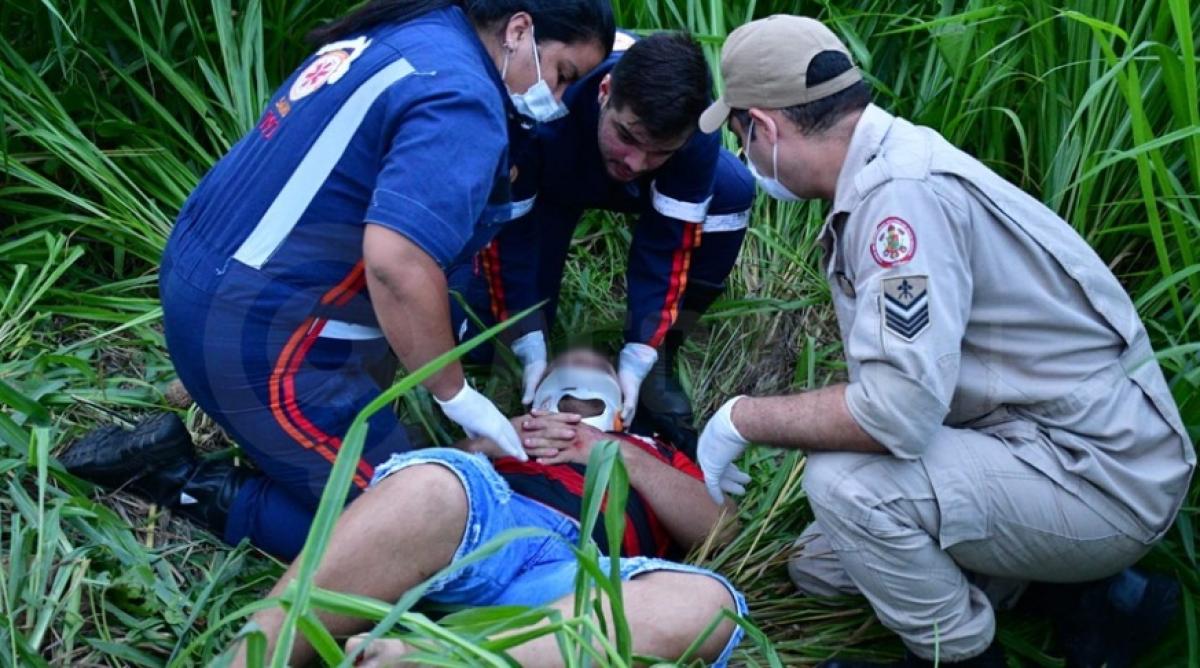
[505,213]
[337,329]
[295,196]
[522,207]
[727,222]
[689,212]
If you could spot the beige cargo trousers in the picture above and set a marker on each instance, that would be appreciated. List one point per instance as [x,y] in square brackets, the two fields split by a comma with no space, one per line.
[928,542]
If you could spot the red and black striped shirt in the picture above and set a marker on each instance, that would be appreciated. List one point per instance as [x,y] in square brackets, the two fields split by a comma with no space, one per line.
[560,486]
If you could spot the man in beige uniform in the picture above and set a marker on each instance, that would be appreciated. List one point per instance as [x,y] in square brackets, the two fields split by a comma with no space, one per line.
[1004,414]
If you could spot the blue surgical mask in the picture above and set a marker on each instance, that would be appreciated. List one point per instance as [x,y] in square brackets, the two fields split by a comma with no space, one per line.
[537,103]
[771,185]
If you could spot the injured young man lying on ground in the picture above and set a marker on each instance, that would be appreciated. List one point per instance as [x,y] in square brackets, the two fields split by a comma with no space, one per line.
[428,508]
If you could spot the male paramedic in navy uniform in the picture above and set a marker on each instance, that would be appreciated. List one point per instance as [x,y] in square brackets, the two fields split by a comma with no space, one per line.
[628,144]
[1004,415]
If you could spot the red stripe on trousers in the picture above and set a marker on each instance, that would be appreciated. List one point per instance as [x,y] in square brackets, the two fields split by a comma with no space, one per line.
[680,264]
[491,272]
[366,471]
[284,406]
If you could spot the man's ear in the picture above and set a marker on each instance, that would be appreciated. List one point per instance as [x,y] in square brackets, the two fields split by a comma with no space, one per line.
[604,91]
[515,30]
[766,123]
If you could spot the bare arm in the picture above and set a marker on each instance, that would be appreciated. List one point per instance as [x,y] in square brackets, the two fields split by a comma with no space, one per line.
[410,297]
[816,420]
[679,501]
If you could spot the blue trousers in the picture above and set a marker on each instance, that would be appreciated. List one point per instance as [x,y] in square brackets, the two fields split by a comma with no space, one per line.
[284,384]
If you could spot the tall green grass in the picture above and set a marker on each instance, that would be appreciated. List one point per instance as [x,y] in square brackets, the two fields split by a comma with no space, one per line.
[111,110]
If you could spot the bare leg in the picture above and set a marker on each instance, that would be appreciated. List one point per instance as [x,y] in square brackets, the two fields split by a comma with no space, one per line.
[666,611]
[389,540]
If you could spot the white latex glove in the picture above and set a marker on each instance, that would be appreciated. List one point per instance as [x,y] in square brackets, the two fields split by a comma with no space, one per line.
[633,366]
[720,444]
[479,417]
[531,350]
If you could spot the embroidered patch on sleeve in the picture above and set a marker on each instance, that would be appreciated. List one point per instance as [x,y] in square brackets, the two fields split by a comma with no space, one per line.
[331,64]
[906,306]
[894,242]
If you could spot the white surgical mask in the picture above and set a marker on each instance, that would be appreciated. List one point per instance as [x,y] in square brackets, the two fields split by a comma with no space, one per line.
[582,383]
[771,184]
[538,102]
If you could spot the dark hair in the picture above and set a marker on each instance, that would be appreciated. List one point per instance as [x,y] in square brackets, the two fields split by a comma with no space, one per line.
[567,21]
[820,115]
[665,80]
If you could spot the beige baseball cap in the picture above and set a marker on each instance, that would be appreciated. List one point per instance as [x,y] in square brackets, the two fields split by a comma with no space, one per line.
[765,63]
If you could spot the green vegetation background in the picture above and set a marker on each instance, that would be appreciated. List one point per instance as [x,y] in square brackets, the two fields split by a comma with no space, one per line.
[112,109]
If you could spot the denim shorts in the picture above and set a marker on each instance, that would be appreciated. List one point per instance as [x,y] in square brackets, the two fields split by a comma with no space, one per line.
[526,571]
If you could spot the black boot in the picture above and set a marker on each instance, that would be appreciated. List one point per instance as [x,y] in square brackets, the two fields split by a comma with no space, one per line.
[992,657]
[208,493]
[156,461]
[664,408]
[1110,622]
[115,458]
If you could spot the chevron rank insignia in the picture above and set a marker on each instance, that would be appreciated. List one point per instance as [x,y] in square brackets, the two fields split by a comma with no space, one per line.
[906,306]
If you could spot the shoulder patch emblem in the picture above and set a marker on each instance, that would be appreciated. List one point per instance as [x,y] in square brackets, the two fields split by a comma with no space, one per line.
[332,63]
[894,242]
[905,305]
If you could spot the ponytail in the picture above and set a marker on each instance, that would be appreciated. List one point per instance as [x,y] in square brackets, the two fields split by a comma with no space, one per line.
[567,21]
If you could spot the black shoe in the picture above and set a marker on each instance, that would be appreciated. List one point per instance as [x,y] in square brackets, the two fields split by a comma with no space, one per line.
[1112,621]
[664,409]
[114,457]
[156,460]
[200,490]
[208,492]
[992,657]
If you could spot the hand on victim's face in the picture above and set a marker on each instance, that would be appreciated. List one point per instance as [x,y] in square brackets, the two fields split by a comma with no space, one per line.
[543,433]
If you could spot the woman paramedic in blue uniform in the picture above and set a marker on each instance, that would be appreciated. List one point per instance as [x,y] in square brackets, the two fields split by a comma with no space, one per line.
[323,235]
